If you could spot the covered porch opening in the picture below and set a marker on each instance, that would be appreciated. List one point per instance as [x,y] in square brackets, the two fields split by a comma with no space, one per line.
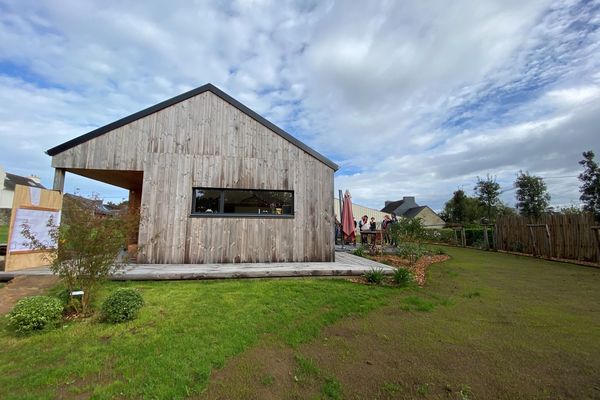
[129,180]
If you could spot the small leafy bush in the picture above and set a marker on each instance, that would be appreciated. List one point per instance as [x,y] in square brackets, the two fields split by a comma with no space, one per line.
[439,235]
[35,313]
[122,305]
[374,275]
[360,251]
[402,276]
[70,303]
[440,251]
[411,251]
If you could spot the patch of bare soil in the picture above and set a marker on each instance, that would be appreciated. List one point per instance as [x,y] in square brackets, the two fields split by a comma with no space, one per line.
[269,371]
[22,286]
[417,269]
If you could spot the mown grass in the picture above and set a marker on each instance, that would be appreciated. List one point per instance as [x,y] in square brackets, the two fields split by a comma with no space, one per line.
[3,233]
[485,326]
[185,330]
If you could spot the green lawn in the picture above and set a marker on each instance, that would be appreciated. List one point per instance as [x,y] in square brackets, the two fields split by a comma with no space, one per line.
[487,325]
[185,330]
[3,233]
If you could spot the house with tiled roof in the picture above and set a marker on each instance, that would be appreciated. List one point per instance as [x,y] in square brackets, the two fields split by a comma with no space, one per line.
[408,208]
[9,181]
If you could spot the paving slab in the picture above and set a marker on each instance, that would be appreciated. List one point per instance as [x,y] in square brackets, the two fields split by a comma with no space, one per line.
[345,265]
[22,286]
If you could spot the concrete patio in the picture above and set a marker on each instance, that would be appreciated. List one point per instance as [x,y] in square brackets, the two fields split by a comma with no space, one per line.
[345,264]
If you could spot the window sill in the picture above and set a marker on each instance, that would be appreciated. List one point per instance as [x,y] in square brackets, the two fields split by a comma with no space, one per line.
[217,215]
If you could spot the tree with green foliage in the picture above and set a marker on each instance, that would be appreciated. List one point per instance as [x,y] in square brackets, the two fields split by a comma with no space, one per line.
[488,192]
[463,209]
[502,209]
[532,195]
[455,208]
[590,184]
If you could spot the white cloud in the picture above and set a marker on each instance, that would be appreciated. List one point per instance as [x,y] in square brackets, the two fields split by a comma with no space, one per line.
[411,98]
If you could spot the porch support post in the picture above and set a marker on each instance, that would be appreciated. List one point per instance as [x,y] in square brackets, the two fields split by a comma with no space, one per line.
[59,179]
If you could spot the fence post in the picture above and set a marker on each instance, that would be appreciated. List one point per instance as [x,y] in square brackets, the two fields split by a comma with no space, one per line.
[549,241]
[596,230]
[532,237]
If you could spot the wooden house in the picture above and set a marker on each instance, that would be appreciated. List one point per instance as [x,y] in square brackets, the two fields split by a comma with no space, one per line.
[214,182]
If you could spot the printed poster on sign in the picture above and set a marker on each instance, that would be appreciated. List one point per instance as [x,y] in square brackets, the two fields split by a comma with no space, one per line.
[37,222]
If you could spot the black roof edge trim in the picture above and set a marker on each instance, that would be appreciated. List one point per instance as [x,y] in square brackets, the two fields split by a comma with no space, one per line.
[179,98]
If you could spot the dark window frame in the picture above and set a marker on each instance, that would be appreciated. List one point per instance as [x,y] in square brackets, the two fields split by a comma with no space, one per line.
[222,214]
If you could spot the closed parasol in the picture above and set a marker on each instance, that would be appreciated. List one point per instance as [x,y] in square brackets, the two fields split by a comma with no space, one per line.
[348,218]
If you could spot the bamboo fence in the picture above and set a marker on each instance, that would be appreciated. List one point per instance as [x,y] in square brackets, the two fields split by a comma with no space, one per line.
[564,236]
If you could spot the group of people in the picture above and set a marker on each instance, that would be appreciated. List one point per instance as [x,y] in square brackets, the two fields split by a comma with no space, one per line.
[366,225]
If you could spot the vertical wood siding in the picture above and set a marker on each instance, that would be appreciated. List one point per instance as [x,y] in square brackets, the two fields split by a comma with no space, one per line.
[206,142]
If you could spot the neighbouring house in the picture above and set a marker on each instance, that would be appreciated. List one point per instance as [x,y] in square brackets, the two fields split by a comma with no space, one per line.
[8,189]
[213,182]
[408,208]
[95,206]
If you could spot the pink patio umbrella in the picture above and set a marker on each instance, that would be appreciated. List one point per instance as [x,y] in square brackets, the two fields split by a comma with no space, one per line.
[348,228]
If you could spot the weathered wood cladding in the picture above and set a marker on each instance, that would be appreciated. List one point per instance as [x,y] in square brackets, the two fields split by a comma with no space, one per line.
[205,142]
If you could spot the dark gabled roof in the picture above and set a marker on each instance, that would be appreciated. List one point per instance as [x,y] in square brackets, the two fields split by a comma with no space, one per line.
[167,103]
[413,212]
[11,180]
[392,206]
[96,205]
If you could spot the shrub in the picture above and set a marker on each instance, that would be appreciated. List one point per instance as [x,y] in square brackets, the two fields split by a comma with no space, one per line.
[84,248]
[474,237]
[440,235]
[374,275]
[411,229]
[122,305]
[440,251]
[411,251]
[402,276]
[35,313]
[360,251]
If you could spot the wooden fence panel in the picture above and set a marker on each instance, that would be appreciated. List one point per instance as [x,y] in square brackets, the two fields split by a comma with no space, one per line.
[570,236]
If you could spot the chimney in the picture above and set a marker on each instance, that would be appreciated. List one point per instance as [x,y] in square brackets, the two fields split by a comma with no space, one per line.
[409,201]
[35,178]
[2,177]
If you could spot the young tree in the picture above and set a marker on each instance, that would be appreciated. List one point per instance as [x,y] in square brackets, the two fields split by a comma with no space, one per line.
[456,207]
[463,209]
[532,195]
[88,249]
[488,192]
[590,184]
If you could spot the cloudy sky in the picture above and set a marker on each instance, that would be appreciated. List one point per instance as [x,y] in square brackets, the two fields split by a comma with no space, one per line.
[408,97]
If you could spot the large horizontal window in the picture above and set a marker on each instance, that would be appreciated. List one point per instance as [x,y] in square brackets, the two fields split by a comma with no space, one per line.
[242,202]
